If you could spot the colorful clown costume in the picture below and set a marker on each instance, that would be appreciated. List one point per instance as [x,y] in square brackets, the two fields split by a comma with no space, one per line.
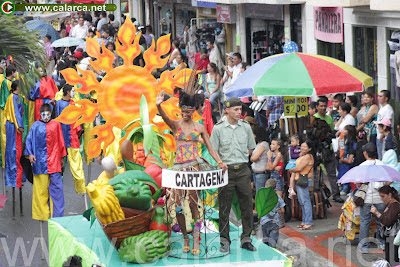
[45,141]
[13,113]
[45,90]
[71,140]
[4,93]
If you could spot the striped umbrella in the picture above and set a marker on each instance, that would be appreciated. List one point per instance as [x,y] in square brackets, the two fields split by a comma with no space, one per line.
[298,74]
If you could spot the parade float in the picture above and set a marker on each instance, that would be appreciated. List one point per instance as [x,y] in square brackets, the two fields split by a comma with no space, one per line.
[129,222]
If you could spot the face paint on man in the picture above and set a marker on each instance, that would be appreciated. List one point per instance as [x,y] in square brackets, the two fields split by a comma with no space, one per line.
[72,93]
[46,116]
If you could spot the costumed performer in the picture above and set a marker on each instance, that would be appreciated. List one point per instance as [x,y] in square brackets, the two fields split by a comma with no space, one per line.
[46,150]
[43,92]
[4,93]
[71,136]
[187,134]
[13,113]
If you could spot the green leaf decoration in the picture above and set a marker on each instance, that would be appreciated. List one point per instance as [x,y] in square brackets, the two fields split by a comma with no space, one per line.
[235,206]
[159,160]
[155,146]
[92,218]
[144,111]
[266,200]
[131,123]
[131,166]
[148,138]
[86,213]
[134,132]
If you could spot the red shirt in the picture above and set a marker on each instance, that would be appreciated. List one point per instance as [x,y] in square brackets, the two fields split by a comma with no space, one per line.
[201,63]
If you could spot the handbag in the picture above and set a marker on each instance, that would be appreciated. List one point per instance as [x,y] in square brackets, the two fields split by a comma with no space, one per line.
[390,231]
[303,180]
[359,196]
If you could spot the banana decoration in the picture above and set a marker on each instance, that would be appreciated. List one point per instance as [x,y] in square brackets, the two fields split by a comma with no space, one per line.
[104,201]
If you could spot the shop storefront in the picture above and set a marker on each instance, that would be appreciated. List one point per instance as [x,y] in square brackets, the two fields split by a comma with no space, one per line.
[265,31]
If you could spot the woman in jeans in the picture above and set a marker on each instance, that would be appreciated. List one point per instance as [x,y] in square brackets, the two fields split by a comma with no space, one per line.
[372,198]
[259,157]
[388,218]
[304,166]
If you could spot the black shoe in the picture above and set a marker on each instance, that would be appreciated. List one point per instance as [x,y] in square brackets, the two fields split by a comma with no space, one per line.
[338,200]
[224,248]
[248,246]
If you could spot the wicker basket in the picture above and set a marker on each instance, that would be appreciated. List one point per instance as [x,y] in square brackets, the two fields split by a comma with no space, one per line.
[136,222]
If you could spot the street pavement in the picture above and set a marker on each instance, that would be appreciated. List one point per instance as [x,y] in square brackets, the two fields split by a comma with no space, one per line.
[324,245]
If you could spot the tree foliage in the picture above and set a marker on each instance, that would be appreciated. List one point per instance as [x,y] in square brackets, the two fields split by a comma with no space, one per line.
[25,49]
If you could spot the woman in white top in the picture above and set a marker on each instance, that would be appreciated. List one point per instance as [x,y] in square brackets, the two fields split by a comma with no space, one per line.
[259,157]
[345,117]
[212,84]
[172,59]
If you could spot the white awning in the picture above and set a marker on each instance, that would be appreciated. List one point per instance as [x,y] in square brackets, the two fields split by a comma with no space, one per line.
[267,2]
[387,5]
[339,3]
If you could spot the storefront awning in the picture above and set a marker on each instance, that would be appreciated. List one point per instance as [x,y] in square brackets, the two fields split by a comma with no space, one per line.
[339,3]
[267,2]
[387,5]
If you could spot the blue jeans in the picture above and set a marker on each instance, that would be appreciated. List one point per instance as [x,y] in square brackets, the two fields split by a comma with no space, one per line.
[303,196]
[270,232]
[214,98]
[365,221]
[259,180]
[379,146]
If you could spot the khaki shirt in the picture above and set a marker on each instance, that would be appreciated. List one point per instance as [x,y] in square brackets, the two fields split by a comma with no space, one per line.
[233,144]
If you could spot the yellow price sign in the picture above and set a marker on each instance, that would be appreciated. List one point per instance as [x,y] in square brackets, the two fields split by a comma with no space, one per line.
[289,103]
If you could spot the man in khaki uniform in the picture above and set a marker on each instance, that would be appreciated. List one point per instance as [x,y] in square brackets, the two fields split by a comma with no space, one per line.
[233,140]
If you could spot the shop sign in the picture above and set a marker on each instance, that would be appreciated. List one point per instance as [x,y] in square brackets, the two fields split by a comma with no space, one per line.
[267,12]
[204,4]
[193,180]
[328,24]
[223,14]
[289,106]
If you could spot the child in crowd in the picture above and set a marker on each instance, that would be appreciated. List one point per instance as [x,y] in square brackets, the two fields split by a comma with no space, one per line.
[259,157]
[294,151]
[358,153]
[385,128]
[334,113]
[312,108]
[275,164]
[346,157]
[270,222]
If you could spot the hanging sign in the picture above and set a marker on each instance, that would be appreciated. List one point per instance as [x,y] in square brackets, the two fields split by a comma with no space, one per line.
[224,14]
[289,106]
[193,180]
[328,24]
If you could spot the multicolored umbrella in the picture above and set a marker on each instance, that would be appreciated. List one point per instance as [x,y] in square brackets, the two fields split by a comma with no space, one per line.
[67,42]
[370,173]
[298,74]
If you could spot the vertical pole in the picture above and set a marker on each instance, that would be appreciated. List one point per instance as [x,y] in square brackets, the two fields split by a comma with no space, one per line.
[295,114]
[41,239]
[13,196]
[4,180]
[20,202]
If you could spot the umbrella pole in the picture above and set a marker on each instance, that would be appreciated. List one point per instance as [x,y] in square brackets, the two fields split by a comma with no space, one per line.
[297,130]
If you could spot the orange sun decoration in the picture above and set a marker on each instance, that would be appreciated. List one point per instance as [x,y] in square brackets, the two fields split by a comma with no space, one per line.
[120,91]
